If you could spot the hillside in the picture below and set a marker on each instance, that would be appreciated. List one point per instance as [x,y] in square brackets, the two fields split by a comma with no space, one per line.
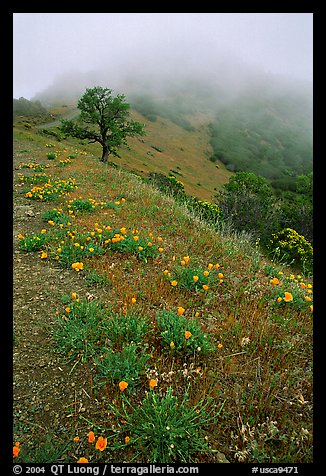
[166,148]
[141,334]
[254,122]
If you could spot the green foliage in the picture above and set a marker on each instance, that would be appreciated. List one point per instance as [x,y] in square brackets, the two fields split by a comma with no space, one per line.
[247,201]
[80,331]
[52,189]
[166,429]
[266,135]
[127,329]
[56,216]
[127,365]
[185,334]
[206,210]
[167,184]
[33,242]
[79,205]
[24,107]
[292,248]
[103,119]
[51,155]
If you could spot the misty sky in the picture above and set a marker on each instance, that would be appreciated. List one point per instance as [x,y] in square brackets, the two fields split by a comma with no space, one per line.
[47,45]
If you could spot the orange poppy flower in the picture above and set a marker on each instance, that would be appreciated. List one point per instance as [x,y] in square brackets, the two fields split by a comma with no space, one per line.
[152,383]
[181,310]
[91,437]
[82,460]
[101,443]
[123,385]
[15,451]
[288,297]
[187,334]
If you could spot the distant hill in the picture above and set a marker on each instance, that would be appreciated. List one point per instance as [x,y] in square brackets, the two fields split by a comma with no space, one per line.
[30,109]
[256,122]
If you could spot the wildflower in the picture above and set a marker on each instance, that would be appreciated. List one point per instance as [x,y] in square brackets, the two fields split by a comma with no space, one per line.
[68,309]
[20,236]
[16,450]
[166,271]
[311,308]
[74,295]
[140,248]
[91,437]
[195,278]
[183,262]
[172,344]
[220,346]
[76,439]
[101,443]
[197,314]
[288,297]
[308,298]
[210,266]
[123,385]
[43,231]
[51,222]
[216,266]
[220,275]
[152,383]
[82,460]
[127,439]
[188,335]
[181,310]
[206,273]
[59,250]
[91,249]
[133,300]
[160,250]
[174,283]
[279,299]
[77,266]
[275,281]
[149,244]
[205,287]
[44,255]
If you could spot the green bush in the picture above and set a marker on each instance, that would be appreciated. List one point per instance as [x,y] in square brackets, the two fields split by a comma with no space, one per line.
[289,246]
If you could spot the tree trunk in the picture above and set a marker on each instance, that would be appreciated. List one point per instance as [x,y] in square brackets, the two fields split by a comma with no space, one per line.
[105,153]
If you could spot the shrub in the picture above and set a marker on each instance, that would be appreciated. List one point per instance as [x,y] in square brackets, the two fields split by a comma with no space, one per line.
[291,247]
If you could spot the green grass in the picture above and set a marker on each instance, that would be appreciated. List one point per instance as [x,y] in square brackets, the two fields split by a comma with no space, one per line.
[246,393]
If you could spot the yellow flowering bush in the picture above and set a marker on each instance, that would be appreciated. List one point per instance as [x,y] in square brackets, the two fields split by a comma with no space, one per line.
[287,244]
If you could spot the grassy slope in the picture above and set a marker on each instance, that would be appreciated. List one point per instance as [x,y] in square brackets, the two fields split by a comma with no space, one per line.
[183,153]
[262,364]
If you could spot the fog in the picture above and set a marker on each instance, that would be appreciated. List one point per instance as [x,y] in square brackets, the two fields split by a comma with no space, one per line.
[66,52]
